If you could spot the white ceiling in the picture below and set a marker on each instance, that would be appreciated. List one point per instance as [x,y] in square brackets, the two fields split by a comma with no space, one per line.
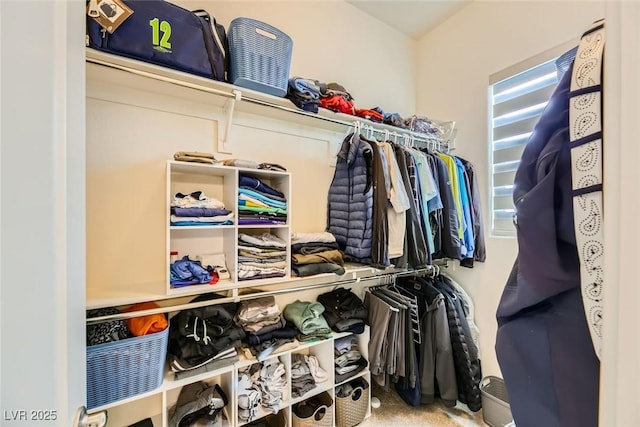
[414,18]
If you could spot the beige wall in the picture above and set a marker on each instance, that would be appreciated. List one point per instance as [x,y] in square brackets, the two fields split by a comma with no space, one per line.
[134,126]
[454,64]
[335,42]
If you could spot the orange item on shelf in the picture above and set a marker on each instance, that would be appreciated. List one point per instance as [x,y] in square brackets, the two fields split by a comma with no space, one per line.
[145,325]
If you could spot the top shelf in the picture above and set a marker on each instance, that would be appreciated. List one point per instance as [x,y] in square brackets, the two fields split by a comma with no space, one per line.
[251,101]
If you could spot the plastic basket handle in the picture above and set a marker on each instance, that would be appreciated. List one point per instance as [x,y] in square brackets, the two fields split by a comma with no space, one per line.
[266,33]
[319,413]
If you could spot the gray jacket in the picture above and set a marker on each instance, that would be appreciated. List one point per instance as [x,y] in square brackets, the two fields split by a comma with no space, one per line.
[437,361]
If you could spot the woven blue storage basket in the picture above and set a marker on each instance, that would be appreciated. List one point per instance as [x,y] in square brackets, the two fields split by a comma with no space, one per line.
[121,369]
[260,56]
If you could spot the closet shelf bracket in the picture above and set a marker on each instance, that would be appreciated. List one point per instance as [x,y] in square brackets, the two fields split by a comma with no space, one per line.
[229,109]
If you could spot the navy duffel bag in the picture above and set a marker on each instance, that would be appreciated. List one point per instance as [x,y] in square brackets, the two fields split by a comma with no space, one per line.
[165,34]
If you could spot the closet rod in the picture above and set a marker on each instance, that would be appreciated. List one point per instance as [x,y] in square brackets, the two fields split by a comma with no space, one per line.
[159,310]
[185,306]
[377,127]
[168,309]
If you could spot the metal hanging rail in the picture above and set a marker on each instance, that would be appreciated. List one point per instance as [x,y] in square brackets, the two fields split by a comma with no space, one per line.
[236,94]
[383,277]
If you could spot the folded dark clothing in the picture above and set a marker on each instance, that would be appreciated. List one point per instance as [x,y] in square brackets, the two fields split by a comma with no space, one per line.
[271,420]
[320,334]
[355,326]
[178,365]
[262,222]
[257,213]
[304,270]
[261,276]
[255,184]
[191,354]
[310,105]
[147,422]
[208,367]
[270,328]
[307,408]
[312,248]
[286,332]
[302,385]
[306,88]
[253,216]
[341,304]
[195,212]
[361,364]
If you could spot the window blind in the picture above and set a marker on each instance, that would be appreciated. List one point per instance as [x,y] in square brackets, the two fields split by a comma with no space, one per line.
[516,103]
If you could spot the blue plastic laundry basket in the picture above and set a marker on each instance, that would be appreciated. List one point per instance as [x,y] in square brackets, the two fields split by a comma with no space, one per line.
[260,56]
[121,369]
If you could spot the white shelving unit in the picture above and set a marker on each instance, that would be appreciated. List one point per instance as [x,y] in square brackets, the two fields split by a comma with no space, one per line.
[160,401]
[222,183]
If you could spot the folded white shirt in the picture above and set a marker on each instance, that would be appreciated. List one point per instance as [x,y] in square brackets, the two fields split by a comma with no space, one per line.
[189,201]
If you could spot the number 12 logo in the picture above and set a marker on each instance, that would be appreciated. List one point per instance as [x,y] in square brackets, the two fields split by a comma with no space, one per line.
[158,26]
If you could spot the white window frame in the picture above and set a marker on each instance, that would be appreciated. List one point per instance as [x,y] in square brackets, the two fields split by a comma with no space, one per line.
[520,68]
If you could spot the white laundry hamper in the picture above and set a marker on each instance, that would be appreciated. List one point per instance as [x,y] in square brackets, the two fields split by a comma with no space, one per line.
[496,410]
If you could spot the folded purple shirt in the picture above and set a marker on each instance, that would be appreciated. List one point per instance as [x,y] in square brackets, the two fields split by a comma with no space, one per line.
[189,212]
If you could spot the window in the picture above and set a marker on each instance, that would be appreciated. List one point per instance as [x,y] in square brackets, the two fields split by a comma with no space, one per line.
[517,98]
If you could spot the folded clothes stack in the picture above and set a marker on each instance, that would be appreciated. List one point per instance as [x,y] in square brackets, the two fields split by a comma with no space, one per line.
[338,99]
[197,209]
[265,327]
[343,310]
[307,317]
[306,373]
[314,253]
[259,203]
[198,404]
[195,157]
[306,93]
[348,359]
[261,256]
[204,338]
[261,385]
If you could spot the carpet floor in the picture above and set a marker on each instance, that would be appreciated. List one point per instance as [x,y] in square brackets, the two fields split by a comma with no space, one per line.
[394,412]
